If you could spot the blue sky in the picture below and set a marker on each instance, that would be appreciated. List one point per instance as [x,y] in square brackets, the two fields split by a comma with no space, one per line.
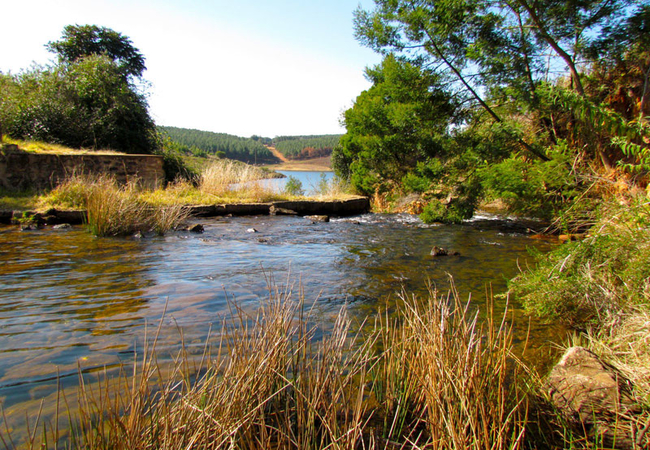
[243,67]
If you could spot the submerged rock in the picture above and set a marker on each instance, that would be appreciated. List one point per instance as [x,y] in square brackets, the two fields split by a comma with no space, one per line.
[277,211]
[318,218]
[62,226]
[251,230]
[29,227]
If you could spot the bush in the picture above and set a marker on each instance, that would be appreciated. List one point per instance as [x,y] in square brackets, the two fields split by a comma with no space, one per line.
[175,167]
[534,188]
[86,104]
[294,187]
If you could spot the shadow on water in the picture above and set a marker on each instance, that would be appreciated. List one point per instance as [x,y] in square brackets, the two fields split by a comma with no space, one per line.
[68,298]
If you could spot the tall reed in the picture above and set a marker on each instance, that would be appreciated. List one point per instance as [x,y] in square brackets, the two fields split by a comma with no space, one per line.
[430,377]
[231,178]
[116,210]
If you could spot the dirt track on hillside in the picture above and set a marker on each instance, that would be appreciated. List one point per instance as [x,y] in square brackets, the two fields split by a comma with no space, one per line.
[277,154]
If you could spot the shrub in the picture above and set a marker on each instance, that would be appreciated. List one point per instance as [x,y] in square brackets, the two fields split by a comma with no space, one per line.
[294,187]
[587,282]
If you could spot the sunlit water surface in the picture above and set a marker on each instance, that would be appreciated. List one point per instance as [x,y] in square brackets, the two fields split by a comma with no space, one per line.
[68,298]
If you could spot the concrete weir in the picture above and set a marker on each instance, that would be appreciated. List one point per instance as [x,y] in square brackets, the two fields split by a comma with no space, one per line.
[348,207]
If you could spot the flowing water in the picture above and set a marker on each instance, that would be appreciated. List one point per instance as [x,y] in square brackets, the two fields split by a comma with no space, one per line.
[68,298]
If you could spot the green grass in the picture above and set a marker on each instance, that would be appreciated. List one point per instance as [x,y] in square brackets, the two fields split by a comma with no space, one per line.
[19,201]
[587,283]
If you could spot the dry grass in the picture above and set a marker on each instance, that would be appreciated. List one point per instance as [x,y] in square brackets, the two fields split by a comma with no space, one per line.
[457,374]
[626,346]
[114,210]
[225,178]
[431,377]
[49,148]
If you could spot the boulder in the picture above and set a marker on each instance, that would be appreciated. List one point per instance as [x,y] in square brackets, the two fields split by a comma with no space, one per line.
[593,397]
[62,226]
[439,251]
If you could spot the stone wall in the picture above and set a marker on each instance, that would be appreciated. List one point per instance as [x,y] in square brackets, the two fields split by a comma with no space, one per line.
[23,170]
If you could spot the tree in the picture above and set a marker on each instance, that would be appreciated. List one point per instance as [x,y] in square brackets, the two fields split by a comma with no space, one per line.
[87,100]
[397,123]
[481,46]
[87,103]
[80,41]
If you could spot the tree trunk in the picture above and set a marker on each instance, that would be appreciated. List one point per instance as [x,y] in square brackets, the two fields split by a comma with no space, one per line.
[575,76]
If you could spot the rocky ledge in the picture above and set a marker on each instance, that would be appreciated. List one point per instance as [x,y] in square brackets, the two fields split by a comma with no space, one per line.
[348,207]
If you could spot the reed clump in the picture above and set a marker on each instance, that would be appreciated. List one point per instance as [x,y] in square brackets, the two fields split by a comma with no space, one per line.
[227,178]
[430,377]
[114,210]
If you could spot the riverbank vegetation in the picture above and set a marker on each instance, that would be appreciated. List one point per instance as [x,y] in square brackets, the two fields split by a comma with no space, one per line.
[90,98]
[542,106]
[122,210]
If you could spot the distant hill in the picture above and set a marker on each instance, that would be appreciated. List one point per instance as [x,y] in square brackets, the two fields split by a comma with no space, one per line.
[306,147]
[253,150]
[234,147]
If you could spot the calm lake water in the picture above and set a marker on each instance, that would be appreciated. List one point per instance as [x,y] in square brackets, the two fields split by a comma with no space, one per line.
[309,180]
[68,298]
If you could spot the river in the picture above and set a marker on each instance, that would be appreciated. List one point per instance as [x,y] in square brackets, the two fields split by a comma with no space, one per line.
[68,298]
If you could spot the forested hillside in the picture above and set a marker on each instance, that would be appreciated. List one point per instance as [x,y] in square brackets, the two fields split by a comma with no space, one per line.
[233,147]
[306,147]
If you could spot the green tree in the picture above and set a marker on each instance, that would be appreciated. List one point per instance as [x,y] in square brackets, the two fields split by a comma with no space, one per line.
[87,100]
[80,41]
[487,45]
[87,103]
[398,122]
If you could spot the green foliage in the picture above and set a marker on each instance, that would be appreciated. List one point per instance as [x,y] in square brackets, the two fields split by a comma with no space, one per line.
[294,187]
[396,123]
[453,205]
[85,104]
[175,167]
[586,283]
[637,153]
[534,188]
[81,41]
[425,173]
[225,145]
